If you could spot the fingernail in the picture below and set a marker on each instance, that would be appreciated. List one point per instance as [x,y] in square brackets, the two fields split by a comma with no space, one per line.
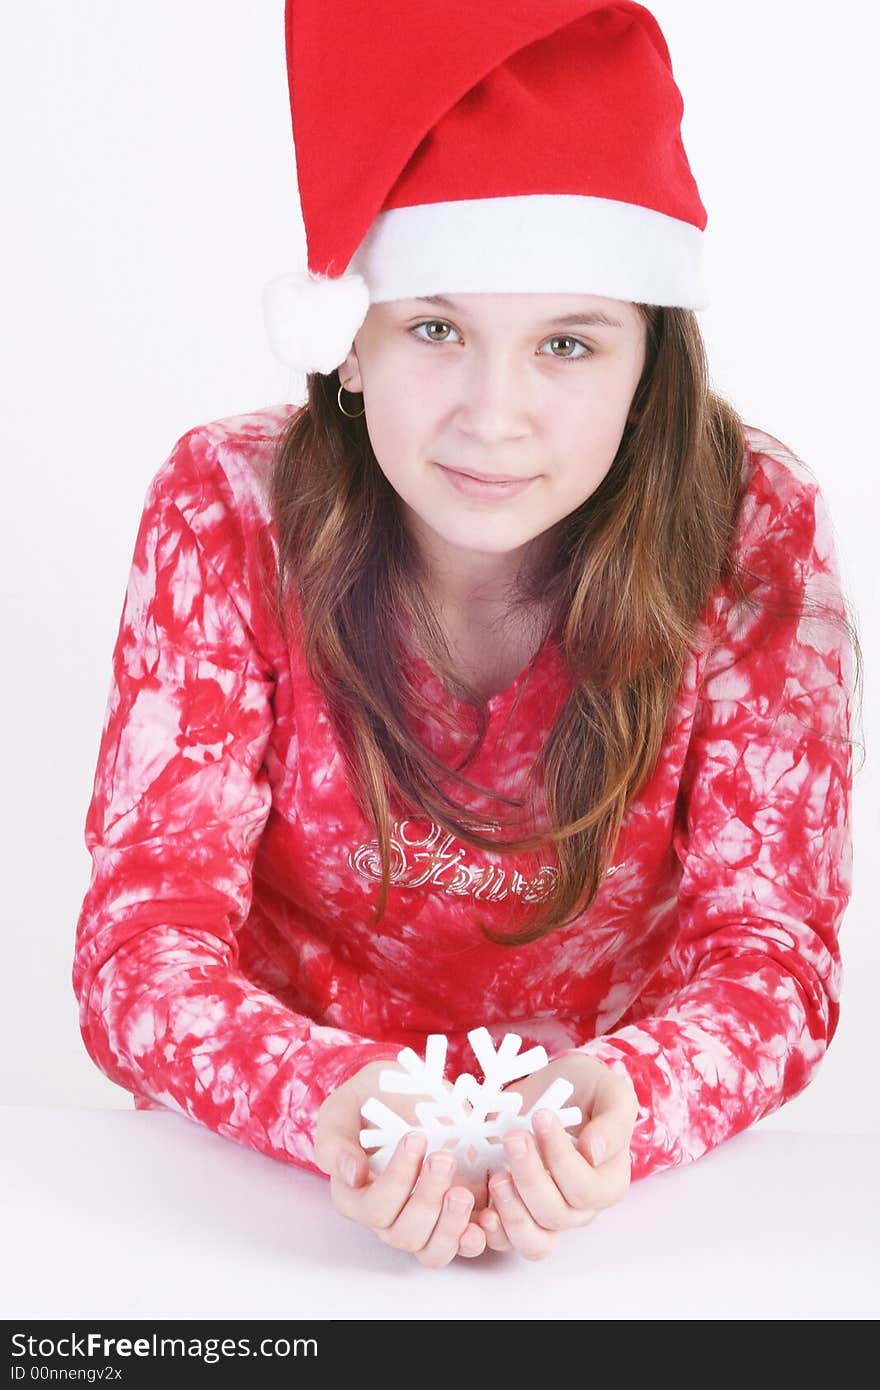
[348,1169]
[598,1148]
[414,1143]
[503,1190]
[541,1121]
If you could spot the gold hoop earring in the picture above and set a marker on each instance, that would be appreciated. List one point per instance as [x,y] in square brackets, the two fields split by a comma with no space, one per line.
[359,413]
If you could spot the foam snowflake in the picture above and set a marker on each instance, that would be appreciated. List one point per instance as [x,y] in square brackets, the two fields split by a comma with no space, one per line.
[471,1118]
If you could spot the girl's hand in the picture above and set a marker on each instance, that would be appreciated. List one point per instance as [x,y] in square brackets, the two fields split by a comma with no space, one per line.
[557,1184]
[409,1205]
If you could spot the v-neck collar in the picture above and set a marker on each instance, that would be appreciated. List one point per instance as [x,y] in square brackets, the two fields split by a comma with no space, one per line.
[502,699]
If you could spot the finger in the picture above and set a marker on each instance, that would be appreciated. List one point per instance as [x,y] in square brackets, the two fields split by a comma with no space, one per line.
[613,1108]
[429,1206]
[496,1236]
[531,1240]
[444,1242]
[610,1175]
[581,1189]
[536,1184]
[473,1239]
[377,1199]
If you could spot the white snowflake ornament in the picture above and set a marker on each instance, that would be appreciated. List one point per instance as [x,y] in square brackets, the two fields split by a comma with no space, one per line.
[472,1118]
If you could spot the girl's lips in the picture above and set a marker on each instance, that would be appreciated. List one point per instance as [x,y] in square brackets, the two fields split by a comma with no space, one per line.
[474,487]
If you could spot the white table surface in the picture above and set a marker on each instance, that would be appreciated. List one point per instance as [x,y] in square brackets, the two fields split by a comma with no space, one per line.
[143,1214]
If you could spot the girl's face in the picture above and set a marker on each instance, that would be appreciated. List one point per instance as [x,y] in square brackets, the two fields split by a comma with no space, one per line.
[519,386]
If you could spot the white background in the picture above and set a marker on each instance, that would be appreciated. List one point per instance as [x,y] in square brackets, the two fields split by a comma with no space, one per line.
[149,192]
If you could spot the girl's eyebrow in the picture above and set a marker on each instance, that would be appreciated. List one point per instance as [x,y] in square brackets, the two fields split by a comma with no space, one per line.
[585,316]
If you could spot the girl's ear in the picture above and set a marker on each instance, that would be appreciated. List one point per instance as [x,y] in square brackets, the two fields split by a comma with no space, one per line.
[350,372]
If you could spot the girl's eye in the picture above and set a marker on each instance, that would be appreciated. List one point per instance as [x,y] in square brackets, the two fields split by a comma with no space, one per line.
[569,357]
[432,323]
[562,338]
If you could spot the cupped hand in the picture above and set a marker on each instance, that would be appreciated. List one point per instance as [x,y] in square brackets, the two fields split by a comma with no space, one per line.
[562,1179]
[411,1205]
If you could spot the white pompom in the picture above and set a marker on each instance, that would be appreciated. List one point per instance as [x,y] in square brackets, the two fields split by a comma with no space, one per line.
[311,320]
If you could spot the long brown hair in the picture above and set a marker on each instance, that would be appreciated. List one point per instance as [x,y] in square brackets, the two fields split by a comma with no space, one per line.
[625,581]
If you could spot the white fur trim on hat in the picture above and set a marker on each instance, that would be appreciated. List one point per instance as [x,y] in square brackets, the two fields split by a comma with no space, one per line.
[311,320]
[549,243]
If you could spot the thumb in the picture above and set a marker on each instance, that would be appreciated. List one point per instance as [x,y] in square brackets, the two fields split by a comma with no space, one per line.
[593,1142]
[613,1108]
[348,1166]
[597,1140]
[609,1130]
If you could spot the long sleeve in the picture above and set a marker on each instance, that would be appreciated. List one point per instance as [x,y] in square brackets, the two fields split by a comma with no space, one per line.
[179,802]
[763,835]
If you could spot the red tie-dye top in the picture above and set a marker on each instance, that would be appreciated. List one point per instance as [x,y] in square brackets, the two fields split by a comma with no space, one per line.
[226,965]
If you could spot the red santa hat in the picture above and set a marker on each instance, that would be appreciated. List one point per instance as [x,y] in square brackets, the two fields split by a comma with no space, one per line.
[473,145]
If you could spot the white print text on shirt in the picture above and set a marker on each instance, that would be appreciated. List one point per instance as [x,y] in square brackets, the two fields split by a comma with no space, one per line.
[432,858]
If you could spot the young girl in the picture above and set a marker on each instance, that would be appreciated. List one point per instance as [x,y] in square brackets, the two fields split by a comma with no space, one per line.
[506,682]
